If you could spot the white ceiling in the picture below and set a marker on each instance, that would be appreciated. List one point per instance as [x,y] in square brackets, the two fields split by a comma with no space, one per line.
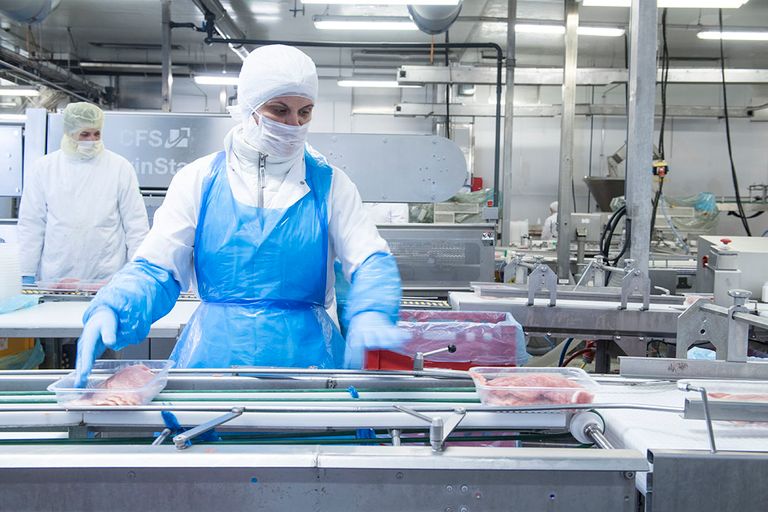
[126,23]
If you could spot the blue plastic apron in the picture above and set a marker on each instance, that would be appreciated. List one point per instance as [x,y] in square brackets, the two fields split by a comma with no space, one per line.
[261,275]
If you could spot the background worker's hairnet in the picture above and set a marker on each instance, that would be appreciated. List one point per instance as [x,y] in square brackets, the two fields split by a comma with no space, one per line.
[82,116]
[275,70]
[553,207]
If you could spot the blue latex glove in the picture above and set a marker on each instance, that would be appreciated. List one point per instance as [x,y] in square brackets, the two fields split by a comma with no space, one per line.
[99,333]
[28,280]
[371,330]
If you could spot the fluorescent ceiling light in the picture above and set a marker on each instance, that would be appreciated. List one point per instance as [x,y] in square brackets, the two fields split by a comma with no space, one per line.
[19,91]
[383,2]
[267,18]
[362,24]
[216,79]
[388,84]
[542,28]
[690,4]
[733,35]
[13,117]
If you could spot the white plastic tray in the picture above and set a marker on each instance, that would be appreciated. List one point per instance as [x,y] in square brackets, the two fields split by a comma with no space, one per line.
[533,388]
[67,394]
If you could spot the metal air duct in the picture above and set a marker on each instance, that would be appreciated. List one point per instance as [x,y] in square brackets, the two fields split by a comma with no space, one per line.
[27,11]
[434,19]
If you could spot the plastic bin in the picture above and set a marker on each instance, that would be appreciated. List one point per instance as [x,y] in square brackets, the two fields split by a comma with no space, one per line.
[533,386]
[67,394]
[481,339]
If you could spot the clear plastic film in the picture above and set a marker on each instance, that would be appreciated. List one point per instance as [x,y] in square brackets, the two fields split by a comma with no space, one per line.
[705,209]
[483,338]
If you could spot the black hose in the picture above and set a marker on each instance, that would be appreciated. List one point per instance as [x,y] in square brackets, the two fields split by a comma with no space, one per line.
[734,177]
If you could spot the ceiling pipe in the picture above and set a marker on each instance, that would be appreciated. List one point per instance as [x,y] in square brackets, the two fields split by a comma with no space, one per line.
[217,18]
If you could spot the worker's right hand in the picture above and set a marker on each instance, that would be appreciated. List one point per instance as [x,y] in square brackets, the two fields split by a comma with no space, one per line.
[99,333]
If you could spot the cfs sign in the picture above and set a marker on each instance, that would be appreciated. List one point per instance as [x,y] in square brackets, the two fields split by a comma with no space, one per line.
[174,138]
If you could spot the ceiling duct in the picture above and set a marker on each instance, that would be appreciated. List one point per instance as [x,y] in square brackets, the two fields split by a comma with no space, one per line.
[27,11]
[434,19]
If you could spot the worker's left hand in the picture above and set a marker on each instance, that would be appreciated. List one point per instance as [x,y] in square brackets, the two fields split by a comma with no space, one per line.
[99,333]
[371,330]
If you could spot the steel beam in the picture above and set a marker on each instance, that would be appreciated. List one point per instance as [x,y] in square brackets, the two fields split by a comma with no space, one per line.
[509,97]
[565,180]
[165,50]
[486,75]
[642,97]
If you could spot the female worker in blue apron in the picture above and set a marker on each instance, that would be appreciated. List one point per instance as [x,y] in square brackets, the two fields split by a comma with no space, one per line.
[254,229]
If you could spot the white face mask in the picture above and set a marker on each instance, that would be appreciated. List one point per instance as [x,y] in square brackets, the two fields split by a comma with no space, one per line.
[89,148]
[274,138]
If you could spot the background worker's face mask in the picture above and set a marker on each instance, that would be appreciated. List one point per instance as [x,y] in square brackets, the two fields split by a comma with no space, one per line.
[89,148]
[83,149]
[274,138]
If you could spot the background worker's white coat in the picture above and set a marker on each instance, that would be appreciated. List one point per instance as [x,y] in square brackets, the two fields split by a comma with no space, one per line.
[80,218]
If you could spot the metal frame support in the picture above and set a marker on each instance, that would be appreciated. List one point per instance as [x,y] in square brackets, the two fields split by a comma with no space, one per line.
[634,281]
[565,202]
[182,440]
[542,277]
[642,98]
[439,429]
[167,80]
[720,326]
[509,97]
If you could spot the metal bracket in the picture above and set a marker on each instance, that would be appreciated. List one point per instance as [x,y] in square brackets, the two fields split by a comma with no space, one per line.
[634,282]
[182,440]
[594,273]
[703,321]
[439,430]
[542,277]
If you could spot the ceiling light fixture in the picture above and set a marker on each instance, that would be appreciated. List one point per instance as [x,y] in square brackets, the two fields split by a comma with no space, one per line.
[360,23]
[386,84]
[733,35]
[383,2]
[543,28]
[680,4]
[19,91]
[13,117]
[216,79]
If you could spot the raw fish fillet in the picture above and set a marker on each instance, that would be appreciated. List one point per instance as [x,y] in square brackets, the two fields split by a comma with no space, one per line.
[130,377]
[533,389]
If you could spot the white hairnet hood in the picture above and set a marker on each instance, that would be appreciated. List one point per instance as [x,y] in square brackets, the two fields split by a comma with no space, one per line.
[272,71]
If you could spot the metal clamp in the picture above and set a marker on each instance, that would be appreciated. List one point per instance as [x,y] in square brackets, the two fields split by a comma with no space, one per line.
[439,430]
[182,440]
[418,360]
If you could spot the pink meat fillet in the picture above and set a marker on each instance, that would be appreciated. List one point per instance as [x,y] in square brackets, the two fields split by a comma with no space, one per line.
[130,377]
[533,389]
[740,397]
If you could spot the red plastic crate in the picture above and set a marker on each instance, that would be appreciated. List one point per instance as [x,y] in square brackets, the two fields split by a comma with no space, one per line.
[495,331]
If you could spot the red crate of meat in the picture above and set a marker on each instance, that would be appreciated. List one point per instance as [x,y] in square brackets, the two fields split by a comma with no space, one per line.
[481,339]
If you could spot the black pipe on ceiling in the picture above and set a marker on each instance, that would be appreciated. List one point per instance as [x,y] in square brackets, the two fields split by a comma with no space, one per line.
[401,46]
